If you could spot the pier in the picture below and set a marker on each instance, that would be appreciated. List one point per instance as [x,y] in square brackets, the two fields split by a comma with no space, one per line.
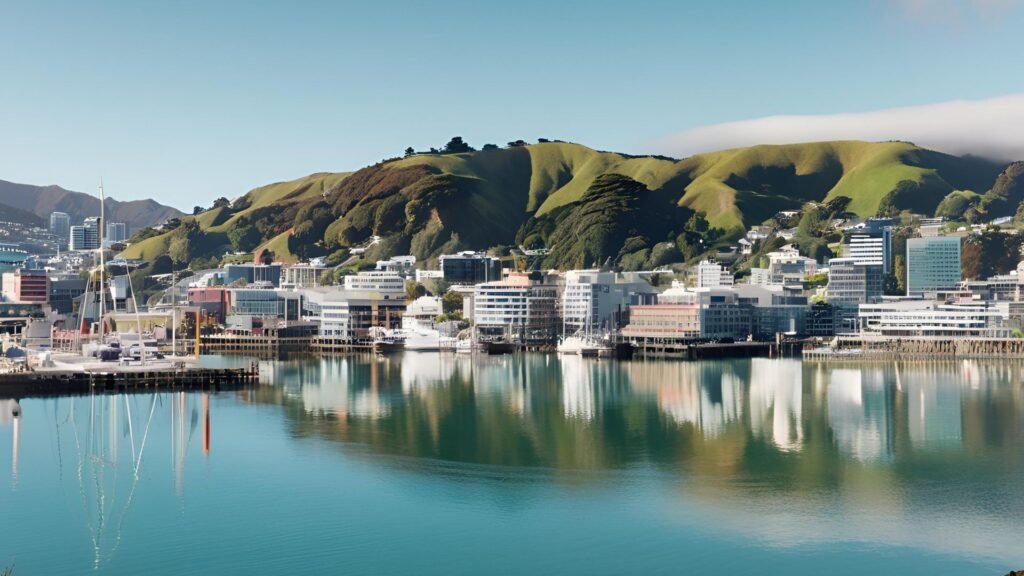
[59,383]
[859,348]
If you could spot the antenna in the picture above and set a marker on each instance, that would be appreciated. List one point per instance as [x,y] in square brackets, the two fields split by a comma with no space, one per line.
[99,236]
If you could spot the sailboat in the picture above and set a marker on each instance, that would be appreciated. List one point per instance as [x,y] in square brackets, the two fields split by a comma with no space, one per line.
[583,343]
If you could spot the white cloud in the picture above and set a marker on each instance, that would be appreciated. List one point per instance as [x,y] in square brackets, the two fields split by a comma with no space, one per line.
[990,128]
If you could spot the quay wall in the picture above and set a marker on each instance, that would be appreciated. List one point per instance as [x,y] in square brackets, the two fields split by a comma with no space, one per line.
[923,348]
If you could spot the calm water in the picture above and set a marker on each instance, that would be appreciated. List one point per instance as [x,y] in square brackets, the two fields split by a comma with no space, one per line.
[426,464]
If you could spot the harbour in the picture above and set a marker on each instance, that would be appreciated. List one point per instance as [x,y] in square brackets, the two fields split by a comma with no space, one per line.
[736,464]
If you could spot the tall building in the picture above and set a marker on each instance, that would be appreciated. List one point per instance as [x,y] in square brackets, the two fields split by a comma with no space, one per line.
[60,224]
[592,301]
[389,285]
[251,273]
[83,238]
[116,232]
[470,268]
[871,243]
[712,275]
[933,264]
[852,281]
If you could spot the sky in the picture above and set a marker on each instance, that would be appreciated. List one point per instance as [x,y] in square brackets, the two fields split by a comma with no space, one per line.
[186,101]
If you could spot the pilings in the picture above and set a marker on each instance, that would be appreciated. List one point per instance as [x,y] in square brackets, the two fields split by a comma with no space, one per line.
[921,348]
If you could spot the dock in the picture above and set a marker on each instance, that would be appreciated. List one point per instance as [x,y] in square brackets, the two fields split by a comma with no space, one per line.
[72,382]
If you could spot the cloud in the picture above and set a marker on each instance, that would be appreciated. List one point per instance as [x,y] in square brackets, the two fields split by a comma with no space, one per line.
[989,128]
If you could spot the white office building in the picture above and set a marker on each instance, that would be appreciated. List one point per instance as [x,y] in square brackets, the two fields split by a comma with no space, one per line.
[922,318]
[81,238]
[592,301]
[302,276]
[116,232]
[389,284]
[516,307]
[785,267]
[712,275]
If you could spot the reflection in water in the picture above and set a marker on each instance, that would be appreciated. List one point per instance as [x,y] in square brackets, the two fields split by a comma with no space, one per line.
[104,440]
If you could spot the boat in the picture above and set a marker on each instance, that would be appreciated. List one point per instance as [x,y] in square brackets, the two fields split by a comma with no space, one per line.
[495,347]
[584,345]
[386,341]
[418,337]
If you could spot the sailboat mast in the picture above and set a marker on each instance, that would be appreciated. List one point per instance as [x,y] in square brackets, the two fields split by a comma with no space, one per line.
[99,233]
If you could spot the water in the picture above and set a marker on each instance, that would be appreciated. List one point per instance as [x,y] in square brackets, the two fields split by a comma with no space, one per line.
[427,464]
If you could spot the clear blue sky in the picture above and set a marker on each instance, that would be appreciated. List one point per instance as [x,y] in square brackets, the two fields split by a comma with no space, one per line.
[185,101]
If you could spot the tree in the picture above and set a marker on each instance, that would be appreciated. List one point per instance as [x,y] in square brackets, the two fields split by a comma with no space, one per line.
[243,236]
[451,303]
[196,210]
[180,250]
[414,290]
[221,202]
[409,151]
[456,146]
[516,143]
[899,270]
[490,147]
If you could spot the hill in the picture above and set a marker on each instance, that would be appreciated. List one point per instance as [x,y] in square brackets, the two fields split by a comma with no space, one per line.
[12,214]
[42,200]
[588,206]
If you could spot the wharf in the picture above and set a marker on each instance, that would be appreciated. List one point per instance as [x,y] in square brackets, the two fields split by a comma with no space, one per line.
[924,348]
[714,350]
[114,381]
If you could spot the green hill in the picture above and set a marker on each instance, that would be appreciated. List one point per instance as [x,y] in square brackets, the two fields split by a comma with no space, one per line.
[549,194]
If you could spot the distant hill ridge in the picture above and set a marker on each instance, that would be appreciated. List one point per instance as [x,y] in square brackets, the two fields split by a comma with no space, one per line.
[589,206]
[42,200]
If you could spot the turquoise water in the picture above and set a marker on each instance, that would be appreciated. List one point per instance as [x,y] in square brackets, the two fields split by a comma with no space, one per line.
[427,464]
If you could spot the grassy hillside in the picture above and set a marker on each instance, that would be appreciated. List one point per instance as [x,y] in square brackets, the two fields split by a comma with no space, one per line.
[42,200]
[434,203]
[264,204]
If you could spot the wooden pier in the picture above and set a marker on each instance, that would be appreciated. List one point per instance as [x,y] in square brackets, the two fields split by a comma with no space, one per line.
[62,383]
[858,348]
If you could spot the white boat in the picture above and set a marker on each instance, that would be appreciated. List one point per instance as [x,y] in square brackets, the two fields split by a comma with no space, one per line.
[584,346]
[419,337]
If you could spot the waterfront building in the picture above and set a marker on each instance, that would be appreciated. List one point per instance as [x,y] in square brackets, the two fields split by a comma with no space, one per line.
[522,307]
[116,232]
[211,301]
[26,286]
[592,301]
[267,303]
[390,285]
[349,314]
[302,275]
[252,273]
[1001,288]
[470,268]
[60,224]
[870,242]
[933,264]
[712,275]
[853,281]
[922,318]
[64,289]
[83,238]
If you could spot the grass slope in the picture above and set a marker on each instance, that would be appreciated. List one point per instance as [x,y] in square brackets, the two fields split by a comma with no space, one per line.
[216,222]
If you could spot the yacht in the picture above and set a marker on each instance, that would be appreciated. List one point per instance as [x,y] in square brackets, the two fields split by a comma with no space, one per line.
[584,345]
[420,337]
[386,341]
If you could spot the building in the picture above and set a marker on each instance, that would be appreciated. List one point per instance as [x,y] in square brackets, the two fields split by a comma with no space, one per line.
[82,238]
[593,301]
[302,276]
[349,315]
[251,273]
[921,318]
[60,224]
[522,307]
[712,275]
[663,323]
[470,268]
[870,242]
[389,285]
[26,286]
[247,303]
[933,264]
[853,281]
[211,301]
[404,266]
[64,290]
[116,232]
[785,267]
